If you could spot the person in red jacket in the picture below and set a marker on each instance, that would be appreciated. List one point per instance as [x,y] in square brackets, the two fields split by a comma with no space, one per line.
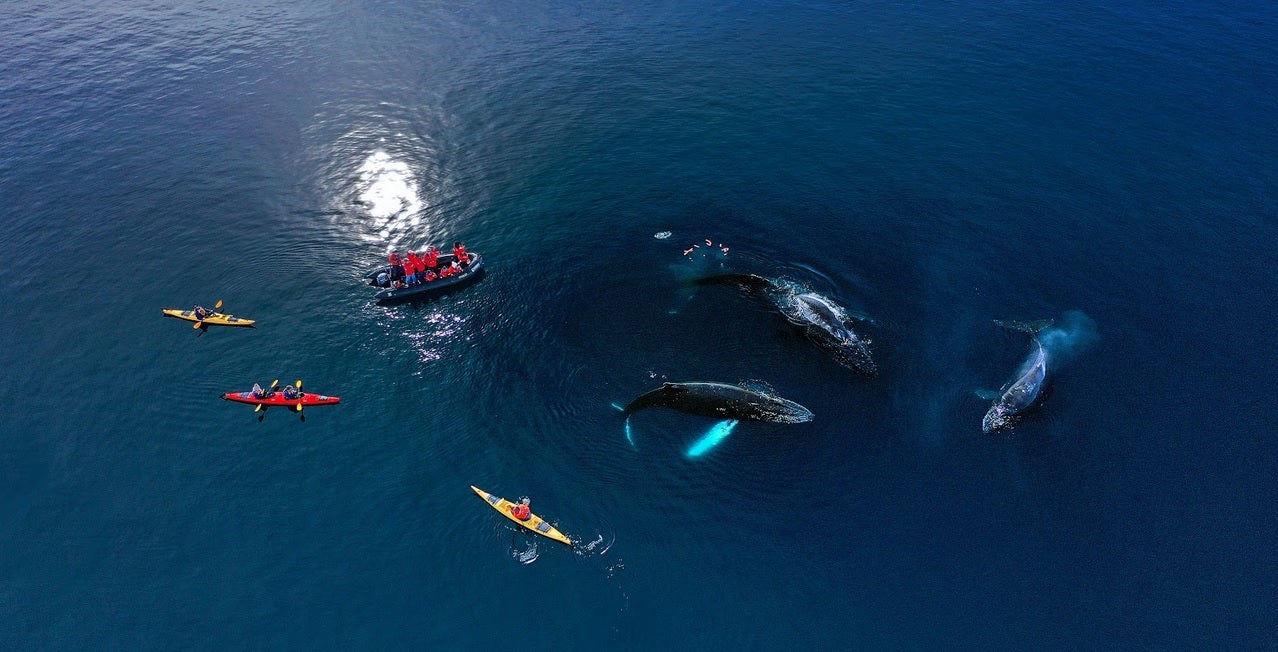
[521,510]
[421,266]
[432,257]
[396,265]
[410,269]
[459,251]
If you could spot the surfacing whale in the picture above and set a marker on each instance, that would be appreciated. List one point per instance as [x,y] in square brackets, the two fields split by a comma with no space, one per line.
[1021,394]
[721,401]
[824,322]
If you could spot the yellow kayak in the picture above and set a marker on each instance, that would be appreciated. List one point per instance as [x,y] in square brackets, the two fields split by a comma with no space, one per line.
[534,522]
[216,319]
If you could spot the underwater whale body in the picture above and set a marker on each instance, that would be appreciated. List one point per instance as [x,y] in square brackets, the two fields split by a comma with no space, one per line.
[824,322]
[1022,393]
[721,401]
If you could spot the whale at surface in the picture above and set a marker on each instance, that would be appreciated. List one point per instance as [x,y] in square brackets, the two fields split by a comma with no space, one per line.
[1051,347]
[721,401]
[1022,393]
[824,322]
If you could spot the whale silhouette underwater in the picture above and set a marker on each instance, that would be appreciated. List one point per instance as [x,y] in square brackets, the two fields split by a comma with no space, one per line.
[822,321]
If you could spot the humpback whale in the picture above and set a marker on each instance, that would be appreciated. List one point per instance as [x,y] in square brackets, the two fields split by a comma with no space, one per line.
[1026,386]
[824,322]
[1022,393]
[722,401]
[1054,344]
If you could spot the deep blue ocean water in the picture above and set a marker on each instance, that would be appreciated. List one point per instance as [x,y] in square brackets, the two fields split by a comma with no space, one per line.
[933,166]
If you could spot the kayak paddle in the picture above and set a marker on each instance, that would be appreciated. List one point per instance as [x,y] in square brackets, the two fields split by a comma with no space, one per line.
[260,406]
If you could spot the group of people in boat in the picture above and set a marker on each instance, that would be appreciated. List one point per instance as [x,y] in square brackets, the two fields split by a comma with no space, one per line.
[290,392]
[415,268]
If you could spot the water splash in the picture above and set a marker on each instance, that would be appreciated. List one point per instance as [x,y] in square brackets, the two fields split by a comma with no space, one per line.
[1067,340]
[527,556]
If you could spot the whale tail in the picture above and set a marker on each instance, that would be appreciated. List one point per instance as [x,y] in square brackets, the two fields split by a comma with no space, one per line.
[1075,334]
[1031,327]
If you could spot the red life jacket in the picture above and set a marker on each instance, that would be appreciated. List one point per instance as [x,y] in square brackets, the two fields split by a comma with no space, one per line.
[521,512]
[430,276]
[432,257]
[411,266]
[460,252]
[394,258]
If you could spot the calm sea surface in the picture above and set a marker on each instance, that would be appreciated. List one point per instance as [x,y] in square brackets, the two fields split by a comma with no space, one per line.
[931,166]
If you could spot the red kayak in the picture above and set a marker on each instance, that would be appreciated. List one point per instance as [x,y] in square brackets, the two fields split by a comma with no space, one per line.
[277,399]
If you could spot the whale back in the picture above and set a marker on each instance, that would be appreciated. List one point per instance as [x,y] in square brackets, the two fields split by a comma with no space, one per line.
[822,321]
[721,400]
[1022,393]
[826,324]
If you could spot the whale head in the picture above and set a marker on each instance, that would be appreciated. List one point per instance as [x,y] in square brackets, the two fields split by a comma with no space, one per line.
[826,324]
[996,419]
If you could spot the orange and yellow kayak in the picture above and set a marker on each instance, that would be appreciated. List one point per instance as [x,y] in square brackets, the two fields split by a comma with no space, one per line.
[534,522]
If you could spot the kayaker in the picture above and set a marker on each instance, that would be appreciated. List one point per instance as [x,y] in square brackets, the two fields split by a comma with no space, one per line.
[459,251]
[521,510]
[202,313]
[258,392]
[291,393]
[410,269]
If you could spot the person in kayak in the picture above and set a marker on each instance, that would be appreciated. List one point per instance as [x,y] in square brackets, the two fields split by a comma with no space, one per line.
[259,392]
[291,393]
[459,251]
[410,269]
[521,510]
[202,313]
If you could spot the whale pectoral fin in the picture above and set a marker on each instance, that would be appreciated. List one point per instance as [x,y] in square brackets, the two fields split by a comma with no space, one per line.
[987,394]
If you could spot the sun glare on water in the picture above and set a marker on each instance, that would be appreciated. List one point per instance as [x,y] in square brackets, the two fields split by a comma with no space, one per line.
[390,192]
